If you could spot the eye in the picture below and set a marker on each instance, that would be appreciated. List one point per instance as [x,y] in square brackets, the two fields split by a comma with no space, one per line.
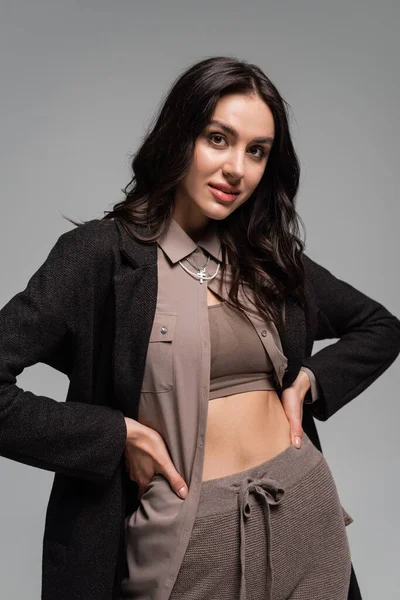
[215,135]
[261,150]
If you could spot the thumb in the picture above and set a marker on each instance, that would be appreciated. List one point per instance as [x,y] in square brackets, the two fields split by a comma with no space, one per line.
[296,432]
[293,410]
[176,481]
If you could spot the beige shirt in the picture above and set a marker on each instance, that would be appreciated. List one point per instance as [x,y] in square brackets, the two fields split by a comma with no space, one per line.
[174,401]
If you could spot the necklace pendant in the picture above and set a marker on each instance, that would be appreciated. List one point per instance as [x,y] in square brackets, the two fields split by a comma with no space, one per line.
[201,273]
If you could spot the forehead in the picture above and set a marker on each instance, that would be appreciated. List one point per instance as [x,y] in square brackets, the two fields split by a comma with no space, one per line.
[246,116]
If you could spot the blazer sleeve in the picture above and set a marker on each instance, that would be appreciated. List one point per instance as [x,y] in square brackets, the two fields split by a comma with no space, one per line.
[73,438]
[368,340]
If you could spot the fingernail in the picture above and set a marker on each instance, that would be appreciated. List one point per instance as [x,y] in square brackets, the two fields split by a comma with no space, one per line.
[182,492]
[297,442]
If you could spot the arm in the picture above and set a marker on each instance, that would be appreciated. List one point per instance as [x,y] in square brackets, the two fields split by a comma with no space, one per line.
[368,340]
[73,438]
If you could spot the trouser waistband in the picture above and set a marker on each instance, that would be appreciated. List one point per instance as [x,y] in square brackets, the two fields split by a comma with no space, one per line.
[269,481]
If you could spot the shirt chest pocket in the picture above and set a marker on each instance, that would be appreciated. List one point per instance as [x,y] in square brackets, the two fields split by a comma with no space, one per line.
[159,371]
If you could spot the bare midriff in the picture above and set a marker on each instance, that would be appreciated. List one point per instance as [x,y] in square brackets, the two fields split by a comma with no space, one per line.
[243,430]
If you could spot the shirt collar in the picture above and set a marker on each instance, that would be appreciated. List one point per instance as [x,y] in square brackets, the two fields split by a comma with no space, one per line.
[177,244]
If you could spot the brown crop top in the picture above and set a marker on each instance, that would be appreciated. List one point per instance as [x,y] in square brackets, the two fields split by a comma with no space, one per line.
[239,361]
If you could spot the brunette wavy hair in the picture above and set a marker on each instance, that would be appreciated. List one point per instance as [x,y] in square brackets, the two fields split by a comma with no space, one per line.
[261,237]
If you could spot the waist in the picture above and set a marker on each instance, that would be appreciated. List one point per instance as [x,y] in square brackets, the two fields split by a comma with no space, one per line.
[243,430]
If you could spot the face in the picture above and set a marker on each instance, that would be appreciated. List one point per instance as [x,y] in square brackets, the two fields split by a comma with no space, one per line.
[231,152]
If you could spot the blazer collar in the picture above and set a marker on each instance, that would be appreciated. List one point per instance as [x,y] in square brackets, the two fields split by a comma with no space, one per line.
[137,253]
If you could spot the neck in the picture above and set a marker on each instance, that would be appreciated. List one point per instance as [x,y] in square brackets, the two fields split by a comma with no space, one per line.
[195,230]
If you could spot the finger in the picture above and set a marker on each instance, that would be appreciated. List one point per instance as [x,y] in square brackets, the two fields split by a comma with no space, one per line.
[296,433]
[293,407]
[177,483]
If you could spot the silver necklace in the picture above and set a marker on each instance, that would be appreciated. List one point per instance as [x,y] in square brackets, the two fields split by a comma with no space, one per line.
[201,271]
[196,266]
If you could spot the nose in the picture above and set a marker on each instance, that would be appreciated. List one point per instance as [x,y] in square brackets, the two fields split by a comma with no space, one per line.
[234,166]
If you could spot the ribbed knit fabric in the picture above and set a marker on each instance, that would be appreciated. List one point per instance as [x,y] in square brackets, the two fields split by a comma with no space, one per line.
[286,517]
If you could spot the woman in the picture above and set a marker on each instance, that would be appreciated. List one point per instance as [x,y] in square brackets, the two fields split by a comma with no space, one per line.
[185,321]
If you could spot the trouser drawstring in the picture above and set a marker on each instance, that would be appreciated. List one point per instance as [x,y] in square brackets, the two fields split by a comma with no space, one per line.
[271,493]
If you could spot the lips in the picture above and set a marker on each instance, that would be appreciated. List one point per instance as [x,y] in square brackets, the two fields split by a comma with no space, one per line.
[220,195]
[225,188]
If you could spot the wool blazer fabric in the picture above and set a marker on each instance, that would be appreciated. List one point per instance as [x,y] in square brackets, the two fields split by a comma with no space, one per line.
[88,312]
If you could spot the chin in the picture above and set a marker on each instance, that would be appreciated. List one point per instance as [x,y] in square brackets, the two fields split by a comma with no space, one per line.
[220,217]
[216,215]
[219,211]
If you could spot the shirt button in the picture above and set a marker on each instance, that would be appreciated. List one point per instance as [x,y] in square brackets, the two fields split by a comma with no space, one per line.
[264,332]
[204,392]
[205,344]
[282,369]
[201,442]
[163,330]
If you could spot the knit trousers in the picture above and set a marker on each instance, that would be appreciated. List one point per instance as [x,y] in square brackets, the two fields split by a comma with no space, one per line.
[276,531]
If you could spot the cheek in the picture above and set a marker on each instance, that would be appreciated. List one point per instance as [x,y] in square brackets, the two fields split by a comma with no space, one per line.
[255,178]
[206,161]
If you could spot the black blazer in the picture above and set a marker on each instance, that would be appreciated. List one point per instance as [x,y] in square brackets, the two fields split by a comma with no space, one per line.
[88,312]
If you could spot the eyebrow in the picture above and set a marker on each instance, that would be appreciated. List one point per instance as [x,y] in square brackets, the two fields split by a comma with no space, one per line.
[231,131]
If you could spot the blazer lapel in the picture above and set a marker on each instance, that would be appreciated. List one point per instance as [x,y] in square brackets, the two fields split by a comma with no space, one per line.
[135,298]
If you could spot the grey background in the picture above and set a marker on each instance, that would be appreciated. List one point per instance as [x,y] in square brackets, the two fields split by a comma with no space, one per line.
[80,81]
